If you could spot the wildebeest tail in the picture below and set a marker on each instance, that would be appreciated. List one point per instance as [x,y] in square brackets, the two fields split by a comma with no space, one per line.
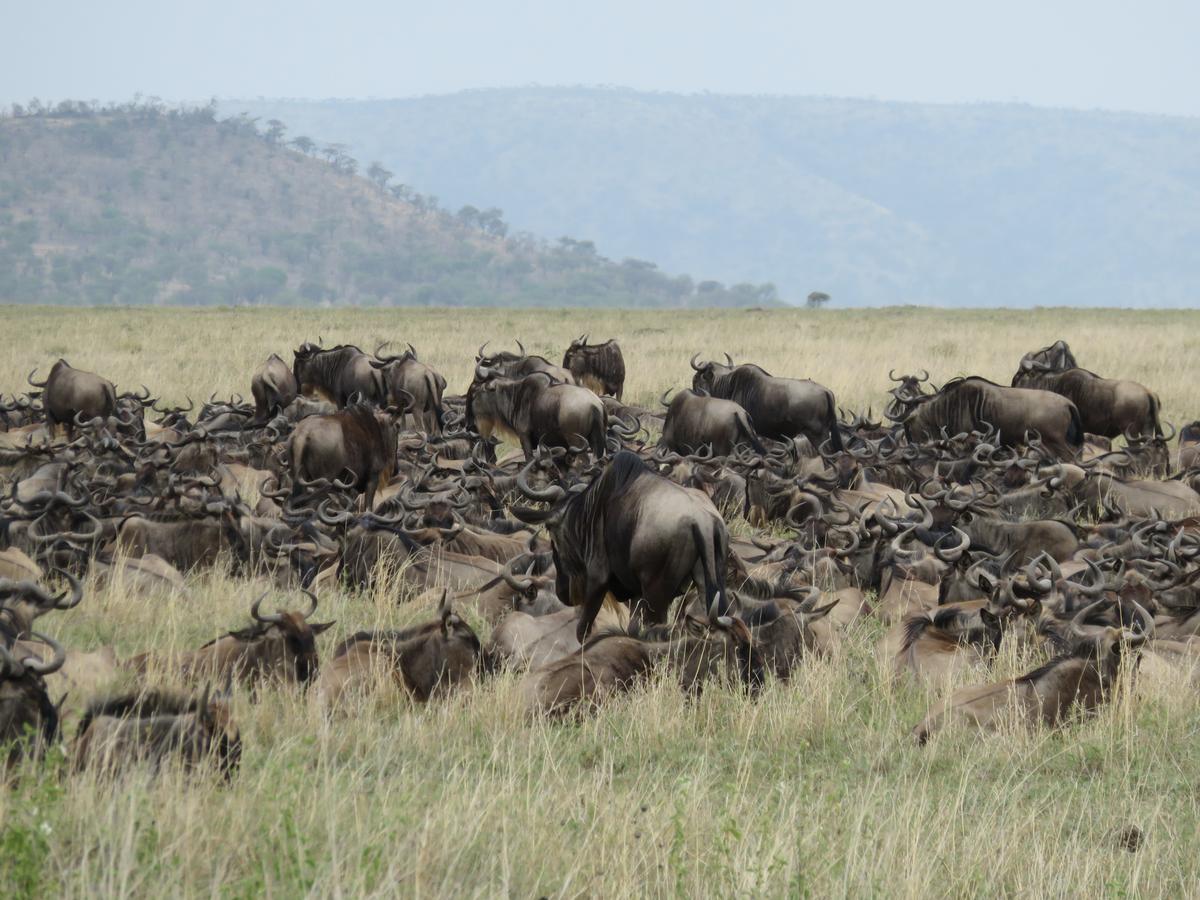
[1075,429]
[709,572]
[435,398]
[835,436]
[746,427]
[1154,405]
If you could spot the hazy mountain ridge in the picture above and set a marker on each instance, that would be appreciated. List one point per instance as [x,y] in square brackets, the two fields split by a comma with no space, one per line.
[145,204]
[873,202]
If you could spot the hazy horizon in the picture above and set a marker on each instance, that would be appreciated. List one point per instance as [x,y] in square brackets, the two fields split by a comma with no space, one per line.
[1074,55]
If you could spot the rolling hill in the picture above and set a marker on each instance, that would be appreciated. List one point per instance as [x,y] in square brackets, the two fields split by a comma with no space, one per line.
[141,204]
[872,202]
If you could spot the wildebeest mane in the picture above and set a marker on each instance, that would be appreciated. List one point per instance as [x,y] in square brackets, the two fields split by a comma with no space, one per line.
[140,704]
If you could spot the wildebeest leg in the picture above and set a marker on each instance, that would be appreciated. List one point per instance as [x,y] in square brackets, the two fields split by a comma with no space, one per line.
[593,599]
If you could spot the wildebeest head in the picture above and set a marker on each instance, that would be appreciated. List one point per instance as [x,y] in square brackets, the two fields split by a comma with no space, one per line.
[1055,358]
[21,602]
[708,372]
[28,720]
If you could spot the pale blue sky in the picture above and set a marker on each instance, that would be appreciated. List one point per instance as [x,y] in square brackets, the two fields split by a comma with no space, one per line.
[1127,55]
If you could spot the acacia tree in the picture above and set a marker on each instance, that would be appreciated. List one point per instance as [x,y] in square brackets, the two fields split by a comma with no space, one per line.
[817,299]
[304,144]
[379,175]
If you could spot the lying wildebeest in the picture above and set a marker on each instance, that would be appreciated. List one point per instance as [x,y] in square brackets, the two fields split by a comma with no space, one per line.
[410,382]
[1079,679]
[28,720]
[518,365]
[778,407]
[611,663]
[634,534]
[358,438]
[975,404]
[1058,357]
[278,646]
[694,420]
[69,392]
[274,386]
[22,602]
[158,727]
[534,410]
[1107,406]
[598,367]
[1189,446]
[339,373]
[428,660]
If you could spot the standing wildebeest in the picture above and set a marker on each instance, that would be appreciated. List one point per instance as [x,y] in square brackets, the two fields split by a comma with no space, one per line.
[974,404]
[156,727]
[28,720]
[518,365]
[358,438]
[634,534]
[69,392]
[1107,406]
[779,407]
[535,410]
[1080,678]
[600,367]
[338,373]
[1057,357]
[694,420]
[410,382]
[274,387]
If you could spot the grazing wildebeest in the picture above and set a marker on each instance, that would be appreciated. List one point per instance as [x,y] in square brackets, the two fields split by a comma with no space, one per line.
[534,410]
[428,661]
[69,392]
[28,720]
[634,534]
[1107,407]
[158,727]
[976,404]
[694,420]
[339,374]
[274,387]
[1081,678]
[598,367]
[413,384]
[778,407]
[359,439]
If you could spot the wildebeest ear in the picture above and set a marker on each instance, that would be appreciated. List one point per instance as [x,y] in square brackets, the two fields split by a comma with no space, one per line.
[986,582]
[988,617]
[318,627]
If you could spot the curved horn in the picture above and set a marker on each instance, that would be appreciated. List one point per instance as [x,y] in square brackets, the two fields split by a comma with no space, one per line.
[693,363]
[952,554]
[268,619]
[33,664]
[76,591]
[551,494]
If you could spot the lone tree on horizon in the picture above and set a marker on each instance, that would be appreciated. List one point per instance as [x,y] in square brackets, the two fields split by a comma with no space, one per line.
[817,299]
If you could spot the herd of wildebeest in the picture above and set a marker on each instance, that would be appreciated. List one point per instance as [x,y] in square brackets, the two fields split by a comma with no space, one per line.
[591,536]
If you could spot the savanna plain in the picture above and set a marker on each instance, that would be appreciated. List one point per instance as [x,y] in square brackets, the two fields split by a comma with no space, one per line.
[813,787]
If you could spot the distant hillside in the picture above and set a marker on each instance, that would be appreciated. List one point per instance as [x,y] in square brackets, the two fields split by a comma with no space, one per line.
[873,203]
[141,204]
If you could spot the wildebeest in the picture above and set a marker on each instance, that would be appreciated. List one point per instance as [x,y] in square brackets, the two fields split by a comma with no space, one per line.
[976,404]
[535,411]
[28,719]
[408,382]
[598,367]
[778,407]
[278,646]
[1189,446]
[636,535]
[274,387]
[1058,357]
[518,365]
[611,663]
[358,439]
[1107,406]
[428,660]
[158,727]
[69,392]
[694,420]
[1079,679]
[23,602]
[339,373]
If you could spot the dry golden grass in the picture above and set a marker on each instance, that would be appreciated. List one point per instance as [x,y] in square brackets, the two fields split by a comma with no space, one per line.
[812,788]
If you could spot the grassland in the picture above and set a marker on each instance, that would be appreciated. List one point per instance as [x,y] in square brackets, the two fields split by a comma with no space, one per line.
[813,788]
